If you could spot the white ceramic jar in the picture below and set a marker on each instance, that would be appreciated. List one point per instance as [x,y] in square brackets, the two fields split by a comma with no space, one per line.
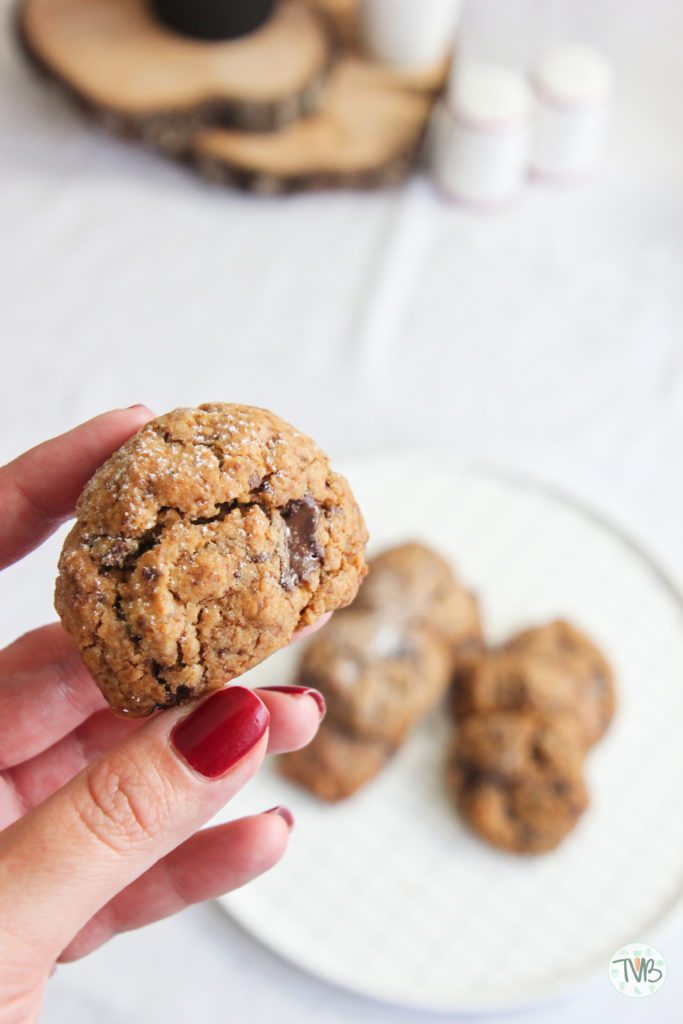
[573,87]
[480,134]
[409,34]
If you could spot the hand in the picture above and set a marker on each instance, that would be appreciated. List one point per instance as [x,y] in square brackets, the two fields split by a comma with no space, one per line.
[99,816]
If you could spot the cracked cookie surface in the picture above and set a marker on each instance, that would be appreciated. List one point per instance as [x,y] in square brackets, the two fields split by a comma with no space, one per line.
[518,779]
[200,547]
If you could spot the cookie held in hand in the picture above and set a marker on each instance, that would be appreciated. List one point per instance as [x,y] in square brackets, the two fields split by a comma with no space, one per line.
[200,547]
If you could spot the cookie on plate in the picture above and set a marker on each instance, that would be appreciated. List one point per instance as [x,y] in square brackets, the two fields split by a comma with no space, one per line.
[334,765]
[382,665]
[200,547]
[518,779]
[378,677]
[552,669]
[412,584]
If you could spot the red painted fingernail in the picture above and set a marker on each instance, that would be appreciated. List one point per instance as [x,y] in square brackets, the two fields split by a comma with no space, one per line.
[221,731]
[302,691]
[284,812]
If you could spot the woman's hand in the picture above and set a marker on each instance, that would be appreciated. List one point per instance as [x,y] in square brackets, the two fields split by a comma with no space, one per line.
[99,816]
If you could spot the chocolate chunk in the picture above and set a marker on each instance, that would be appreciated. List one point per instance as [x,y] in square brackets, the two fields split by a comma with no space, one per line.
[303,553]
[213,19]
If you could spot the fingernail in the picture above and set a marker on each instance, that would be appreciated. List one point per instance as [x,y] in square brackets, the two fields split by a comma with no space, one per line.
[221,731]
[284,812]
[138,405]
[302,691]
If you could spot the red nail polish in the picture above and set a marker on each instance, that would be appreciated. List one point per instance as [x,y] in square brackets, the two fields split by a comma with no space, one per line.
[221,731]
[284,812]
[301,691]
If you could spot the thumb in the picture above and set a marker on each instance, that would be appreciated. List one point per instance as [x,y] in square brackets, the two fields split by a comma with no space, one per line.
[121,814]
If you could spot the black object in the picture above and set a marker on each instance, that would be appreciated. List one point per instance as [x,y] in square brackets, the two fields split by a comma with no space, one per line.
[213,19]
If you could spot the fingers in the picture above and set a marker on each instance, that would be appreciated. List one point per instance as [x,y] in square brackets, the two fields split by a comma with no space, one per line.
[39,489]
[45,692]
[295,714]
[211,862]
[308,630]
[38,778]
[119,816]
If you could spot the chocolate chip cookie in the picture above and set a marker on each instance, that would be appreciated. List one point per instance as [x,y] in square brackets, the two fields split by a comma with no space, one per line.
[553,669]
[517,779]
[382,665]
[334,765]
[199,548]
[412,584]
[378,677]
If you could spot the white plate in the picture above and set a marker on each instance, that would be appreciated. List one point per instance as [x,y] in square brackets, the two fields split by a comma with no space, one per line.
[388,894]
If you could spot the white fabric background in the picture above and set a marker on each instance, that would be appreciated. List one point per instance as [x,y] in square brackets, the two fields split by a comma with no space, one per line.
[547,338]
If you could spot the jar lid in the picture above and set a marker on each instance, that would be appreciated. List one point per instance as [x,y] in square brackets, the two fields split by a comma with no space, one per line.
[573,74]
[486,95]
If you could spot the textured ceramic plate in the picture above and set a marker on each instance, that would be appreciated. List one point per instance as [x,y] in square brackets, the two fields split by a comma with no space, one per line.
[388,894]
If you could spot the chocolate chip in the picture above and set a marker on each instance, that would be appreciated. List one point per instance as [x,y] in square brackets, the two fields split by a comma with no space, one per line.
[539,754]
[303,552]
[150,574]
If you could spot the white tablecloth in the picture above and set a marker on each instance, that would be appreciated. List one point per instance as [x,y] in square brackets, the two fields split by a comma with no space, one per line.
[548,338]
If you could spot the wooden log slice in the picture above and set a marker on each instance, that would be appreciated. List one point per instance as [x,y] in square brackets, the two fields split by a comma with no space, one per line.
[145,80]
[366,135]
